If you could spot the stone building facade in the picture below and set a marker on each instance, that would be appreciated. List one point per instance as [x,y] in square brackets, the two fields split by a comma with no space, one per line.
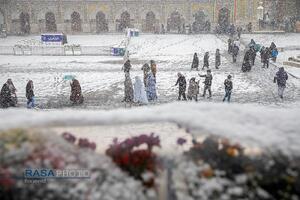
[96,16]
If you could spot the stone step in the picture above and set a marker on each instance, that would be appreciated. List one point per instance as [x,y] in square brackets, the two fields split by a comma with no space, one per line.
[292,64]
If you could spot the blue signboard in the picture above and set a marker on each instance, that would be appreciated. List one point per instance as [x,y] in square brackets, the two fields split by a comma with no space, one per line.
[52,37]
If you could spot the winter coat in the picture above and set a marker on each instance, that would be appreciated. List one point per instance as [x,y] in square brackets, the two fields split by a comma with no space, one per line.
[5,96]
[153,69]
[281,78]
[235,50]
[128,88]
[195,63]
[206,62]
[146,69]
[29,90]
[218,57]
[151,87]
[76,96]
[181,82]
[208,79]
[228,84]
[140,95]
[193,89]
[127,66]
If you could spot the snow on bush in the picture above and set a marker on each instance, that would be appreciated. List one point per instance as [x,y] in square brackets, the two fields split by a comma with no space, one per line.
[22,149]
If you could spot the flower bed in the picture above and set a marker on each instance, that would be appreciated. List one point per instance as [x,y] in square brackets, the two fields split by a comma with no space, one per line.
[22,149]
[216,169]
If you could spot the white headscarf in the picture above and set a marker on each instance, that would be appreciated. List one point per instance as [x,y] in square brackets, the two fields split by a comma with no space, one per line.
[139,91]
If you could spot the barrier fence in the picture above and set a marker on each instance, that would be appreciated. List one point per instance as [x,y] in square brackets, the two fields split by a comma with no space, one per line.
[66,50]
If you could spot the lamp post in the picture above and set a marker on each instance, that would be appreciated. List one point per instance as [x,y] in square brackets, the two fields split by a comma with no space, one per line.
[260,14]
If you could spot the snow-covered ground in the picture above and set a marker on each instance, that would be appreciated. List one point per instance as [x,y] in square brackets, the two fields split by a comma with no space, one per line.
[101,77]
[271,124]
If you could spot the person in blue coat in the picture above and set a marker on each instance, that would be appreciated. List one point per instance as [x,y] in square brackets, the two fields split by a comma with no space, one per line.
[151,87]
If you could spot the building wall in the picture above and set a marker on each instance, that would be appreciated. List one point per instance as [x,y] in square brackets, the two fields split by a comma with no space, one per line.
[241,12]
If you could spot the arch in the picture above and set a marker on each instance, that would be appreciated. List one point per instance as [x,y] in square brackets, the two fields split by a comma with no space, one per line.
[199,21]
[24,22]
[124,21]
[175,22]
[50,22]
[75,22]
[150,22]
[224,18]
[101,22]
[2,20]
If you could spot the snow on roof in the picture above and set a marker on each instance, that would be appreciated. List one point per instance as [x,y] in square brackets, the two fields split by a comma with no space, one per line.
[268,127]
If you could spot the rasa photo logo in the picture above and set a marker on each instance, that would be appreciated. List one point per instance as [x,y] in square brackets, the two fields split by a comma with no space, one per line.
[43,175]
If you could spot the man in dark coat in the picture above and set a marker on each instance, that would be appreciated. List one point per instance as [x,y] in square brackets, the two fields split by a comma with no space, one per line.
[281,78]
[181,81]
[228,88]
[207,83]
[206,60]
[235,52]
[218,59]
[266,57]
[195,64]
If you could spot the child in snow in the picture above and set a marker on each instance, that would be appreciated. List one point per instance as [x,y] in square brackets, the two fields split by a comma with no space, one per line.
[195,64]
[206,60]
[281,78]
[76,96]
[140,96]
[218,59]
[182,86]
[151,87]
[228,88]
[30,94]
[207,83]
[193,90]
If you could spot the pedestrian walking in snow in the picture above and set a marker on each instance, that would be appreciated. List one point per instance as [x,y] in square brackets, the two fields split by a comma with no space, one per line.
[281,78]
[262,51]
[235,52]
[228,88]
[246,66]
[253,55]
[181,82]
[195,64]
[229,43]
[127,66]
[8,96]
[207,83]
[151,87]
[274,54]
[76,95]
[193,90]
[140,95]
[206,60]
[266,57]
[249,27]
[218,59]
[128,89]
[153,67]
[146,69]
[30,95]
[239,31]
